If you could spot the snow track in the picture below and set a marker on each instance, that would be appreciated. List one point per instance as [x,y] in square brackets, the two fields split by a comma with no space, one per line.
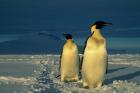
[37,74]
[122,77]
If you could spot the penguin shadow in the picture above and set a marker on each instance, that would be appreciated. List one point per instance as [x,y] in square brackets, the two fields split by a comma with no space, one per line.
[123,77]
[116,69]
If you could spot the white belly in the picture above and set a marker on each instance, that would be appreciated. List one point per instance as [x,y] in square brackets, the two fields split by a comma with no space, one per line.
[69,65]
[94,66]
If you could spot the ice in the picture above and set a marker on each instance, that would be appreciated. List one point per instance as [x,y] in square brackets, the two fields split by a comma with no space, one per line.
[34,43]
[129,59]
[9,84]
[123,75]
[16,80]
[46,80]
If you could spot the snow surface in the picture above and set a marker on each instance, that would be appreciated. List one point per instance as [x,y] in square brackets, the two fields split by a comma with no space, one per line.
[123,75]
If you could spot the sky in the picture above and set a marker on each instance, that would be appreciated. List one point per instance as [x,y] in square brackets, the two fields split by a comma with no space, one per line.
[72,16]
[19,17]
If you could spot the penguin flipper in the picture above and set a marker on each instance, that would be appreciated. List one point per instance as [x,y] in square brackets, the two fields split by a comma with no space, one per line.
[107,65]
[81,62]
[59,69]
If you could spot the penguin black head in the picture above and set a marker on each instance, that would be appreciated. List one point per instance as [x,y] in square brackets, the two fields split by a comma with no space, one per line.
[68,36]
[100,24]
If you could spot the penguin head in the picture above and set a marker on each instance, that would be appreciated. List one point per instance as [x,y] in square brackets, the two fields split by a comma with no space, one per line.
[100,24]
[68,36]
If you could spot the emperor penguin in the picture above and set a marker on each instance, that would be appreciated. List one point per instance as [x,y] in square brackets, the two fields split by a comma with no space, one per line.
[69,61]
[94,63]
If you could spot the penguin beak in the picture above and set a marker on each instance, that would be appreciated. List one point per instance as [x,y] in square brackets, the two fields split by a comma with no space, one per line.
[106,24]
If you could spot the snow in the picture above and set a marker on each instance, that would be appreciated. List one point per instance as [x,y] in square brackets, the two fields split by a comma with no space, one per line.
[128,59]
[123,75]
[15,80]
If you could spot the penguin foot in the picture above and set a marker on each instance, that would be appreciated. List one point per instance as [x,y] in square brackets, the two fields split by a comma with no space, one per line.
[80,83]
[85,85]
[71,80]
[76,78]
[97,88]
[99,85]
[62,79]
